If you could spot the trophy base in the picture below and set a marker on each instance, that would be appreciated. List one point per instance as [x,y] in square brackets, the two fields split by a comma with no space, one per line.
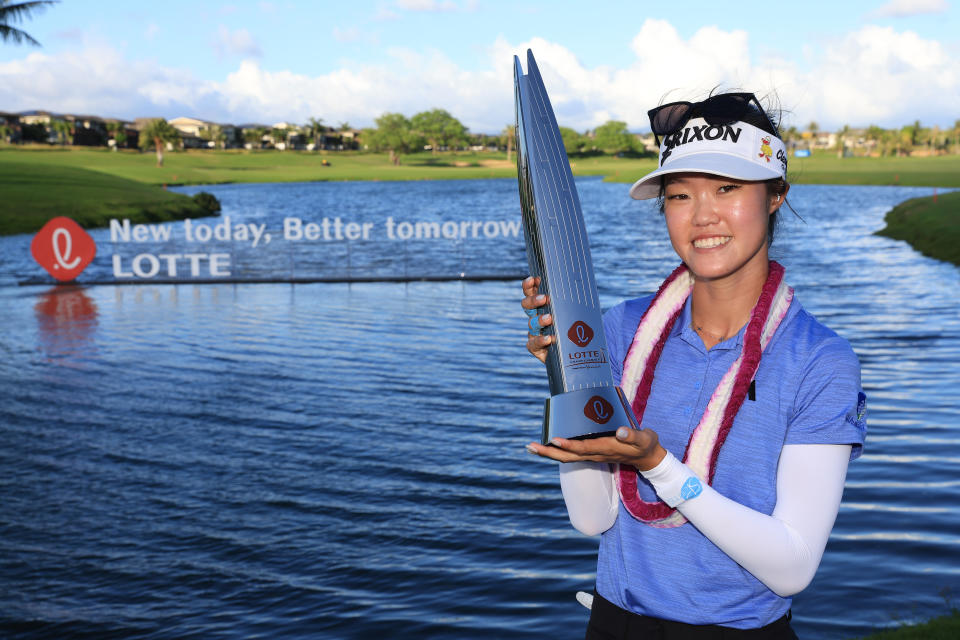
[586,413]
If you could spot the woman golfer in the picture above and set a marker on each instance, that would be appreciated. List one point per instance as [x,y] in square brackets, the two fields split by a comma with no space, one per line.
[717,510]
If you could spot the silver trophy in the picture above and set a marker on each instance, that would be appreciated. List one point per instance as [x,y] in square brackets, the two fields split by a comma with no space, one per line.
[583,402]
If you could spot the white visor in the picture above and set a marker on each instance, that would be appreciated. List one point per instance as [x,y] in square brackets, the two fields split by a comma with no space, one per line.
[737,150]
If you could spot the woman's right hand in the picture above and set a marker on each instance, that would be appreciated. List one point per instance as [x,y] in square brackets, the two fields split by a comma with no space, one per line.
[533,300]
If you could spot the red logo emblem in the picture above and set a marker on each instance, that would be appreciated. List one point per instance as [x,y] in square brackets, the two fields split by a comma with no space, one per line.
[598,410]
[580,333]
[63,248]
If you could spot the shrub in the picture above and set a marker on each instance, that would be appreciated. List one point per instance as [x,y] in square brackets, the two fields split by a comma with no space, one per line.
[208,202]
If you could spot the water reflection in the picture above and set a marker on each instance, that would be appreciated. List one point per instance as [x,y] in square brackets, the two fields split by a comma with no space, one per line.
[166,447]
[66,322]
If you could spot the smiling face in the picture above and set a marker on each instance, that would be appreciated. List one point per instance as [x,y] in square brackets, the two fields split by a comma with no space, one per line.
[718,226]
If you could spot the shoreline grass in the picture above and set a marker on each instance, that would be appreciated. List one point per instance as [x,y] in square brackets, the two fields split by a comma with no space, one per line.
[931,227]
[28,198]
[946,627]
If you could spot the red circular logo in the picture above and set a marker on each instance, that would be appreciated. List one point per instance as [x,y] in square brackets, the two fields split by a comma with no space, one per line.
[63,248]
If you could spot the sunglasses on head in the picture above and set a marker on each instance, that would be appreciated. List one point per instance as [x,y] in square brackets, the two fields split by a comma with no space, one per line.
[720,109]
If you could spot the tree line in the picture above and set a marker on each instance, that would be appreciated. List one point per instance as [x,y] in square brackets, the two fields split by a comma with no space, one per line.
[437,130]
[911,138]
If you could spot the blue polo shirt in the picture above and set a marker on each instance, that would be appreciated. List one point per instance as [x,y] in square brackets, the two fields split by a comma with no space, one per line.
[807,391]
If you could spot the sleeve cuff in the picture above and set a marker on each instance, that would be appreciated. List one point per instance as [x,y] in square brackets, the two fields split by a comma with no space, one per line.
[673,481]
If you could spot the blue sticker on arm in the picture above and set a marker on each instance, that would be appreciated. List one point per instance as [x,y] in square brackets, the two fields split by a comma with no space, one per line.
[691,488]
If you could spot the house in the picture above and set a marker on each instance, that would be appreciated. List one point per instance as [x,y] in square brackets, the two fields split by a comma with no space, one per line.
[189,129]
[341,140]
[648,142]
[252,135]
[200,134]
[35,120]
[37,117]
[90,131]
[130,136]
[293,138]
[10,127]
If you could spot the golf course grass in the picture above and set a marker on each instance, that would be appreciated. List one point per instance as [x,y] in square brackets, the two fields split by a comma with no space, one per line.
[237,165]
[31,195]
[930,225]
[942,628]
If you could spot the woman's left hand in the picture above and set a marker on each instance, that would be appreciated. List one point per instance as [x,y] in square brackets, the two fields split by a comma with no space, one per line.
[637,447]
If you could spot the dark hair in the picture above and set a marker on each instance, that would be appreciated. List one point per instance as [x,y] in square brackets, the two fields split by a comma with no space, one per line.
[775,186]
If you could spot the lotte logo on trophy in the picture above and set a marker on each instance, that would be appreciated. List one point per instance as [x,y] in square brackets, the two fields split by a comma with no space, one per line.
[583,401]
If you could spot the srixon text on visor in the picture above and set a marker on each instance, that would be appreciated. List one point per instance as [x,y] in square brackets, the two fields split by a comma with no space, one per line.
[698,132]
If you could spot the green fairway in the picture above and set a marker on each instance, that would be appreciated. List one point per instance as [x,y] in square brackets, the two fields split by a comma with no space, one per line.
[826,168]
[31,194]
[212,167]
[932,228]
[215,167]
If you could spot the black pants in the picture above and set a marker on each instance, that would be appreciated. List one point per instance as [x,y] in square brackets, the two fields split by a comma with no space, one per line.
[610,622]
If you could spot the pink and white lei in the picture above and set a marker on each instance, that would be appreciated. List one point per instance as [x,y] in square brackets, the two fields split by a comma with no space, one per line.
[640,364]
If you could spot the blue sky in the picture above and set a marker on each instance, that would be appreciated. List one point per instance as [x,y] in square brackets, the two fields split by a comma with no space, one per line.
[860,62]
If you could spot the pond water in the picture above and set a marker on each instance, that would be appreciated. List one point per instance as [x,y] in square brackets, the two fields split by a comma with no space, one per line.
[347,460]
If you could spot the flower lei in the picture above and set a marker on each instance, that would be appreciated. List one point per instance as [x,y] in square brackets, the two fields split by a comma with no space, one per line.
[641,362]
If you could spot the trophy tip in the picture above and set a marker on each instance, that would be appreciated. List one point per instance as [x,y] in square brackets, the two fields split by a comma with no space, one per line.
[532,67]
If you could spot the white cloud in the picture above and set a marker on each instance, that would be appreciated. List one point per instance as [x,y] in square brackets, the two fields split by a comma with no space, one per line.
[905,8]
[878,75]
[350,34]
[97,80]
[873,75]
[427,5]
[74,35]
[235,43]
[385,14]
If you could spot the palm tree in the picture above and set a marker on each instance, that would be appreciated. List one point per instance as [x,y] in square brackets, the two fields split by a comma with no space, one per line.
[62,129]
[10,12]
[120,136]
[316,128]
[254,136]
[508,135]
[874,136]
[790,136]
[158,132]
[842,136]
[215,134]
[112,129]
[278,135]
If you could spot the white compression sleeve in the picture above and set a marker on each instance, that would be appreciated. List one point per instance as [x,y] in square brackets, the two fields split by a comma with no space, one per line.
[590,493]
[782,550]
